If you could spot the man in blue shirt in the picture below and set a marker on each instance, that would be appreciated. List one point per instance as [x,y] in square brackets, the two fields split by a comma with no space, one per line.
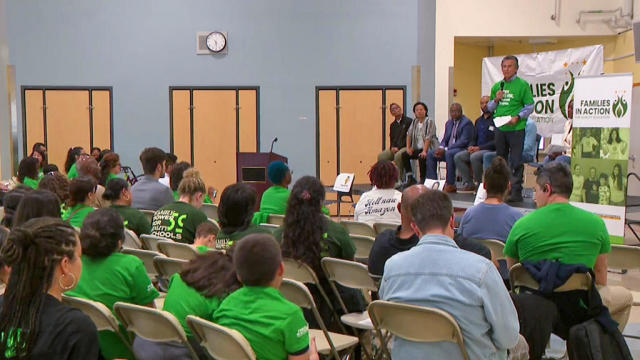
[457,137]
[483,142]
[429,274]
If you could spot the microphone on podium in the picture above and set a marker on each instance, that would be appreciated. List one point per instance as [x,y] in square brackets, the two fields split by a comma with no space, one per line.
[275,140]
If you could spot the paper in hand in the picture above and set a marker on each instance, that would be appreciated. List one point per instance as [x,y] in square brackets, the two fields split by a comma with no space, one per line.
[501,120]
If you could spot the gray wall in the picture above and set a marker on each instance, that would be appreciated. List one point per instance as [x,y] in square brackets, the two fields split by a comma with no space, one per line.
[287,47]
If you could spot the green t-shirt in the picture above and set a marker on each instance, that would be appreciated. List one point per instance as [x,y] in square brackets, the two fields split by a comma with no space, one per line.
[560,232]
[274,201]
[517,94]
[75,216]
[274,327]
[118,277]
[134,219]
[207,198]
[110,177]
[73,172]
[31,183]
[336,241]
[177,221]
[224,241]
[183,300]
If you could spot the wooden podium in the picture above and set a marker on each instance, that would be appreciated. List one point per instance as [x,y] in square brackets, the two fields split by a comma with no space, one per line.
[252,170]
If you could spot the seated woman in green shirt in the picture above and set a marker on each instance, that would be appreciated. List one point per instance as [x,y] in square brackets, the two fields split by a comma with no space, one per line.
[36,204]
[274,200]
[73,155]
[28,172]
[109,276]
[308,236]
[109,168]
[178,221]
[176,177]
[118,193]
[198,290]
[235,211]
[59,185]
[82,190]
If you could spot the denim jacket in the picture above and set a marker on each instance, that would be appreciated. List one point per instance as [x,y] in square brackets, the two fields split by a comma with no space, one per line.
[437,273]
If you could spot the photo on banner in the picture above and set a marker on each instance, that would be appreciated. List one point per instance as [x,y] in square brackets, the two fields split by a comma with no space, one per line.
[600,153]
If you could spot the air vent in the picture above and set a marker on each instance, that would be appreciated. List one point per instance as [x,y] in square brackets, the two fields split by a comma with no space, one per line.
[201,44]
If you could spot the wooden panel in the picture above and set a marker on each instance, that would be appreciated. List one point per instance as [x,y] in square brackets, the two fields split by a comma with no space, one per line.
[181,125]
[67,123]
[214,131]
[248,120]
[392,96]
[328,136]
[360,131]
[101,119]
[34,116]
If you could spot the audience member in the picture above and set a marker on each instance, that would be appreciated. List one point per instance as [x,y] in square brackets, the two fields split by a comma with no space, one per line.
[109,168]
[57,184]
[176,176]
[28,172]
[95,153]
[110,276]
[39,203]
[205,237]
[512,97]
[380,204]
[573,237]
[10,203]
[458,134]
[235,211]
[44,256]
[275,327]
[103,153]
[421,137]
[274,199]
[171,162]
[118,194]
[178,221]
[73,155]
[483,142]
[397,138]
[39,151]
[88,166]
[391,242]
[430,274]
[82,190]
[50,168]
[148,193]
[198,290]
[5,270]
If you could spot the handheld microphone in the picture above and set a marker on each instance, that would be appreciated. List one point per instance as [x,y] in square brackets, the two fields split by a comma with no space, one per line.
[501,85]
[275,139]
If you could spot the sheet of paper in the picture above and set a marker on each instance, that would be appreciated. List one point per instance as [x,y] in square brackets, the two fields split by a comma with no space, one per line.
[501,120]
[343,182]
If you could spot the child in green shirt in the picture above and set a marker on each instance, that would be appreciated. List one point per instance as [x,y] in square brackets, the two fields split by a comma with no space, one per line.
[275,327]
[82,192]
[70,164]
[235,212]
[205,237]
[28,172]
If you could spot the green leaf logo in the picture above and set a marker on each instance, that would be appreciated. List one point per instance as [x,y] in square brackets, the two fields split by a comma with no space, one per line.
[565,95]
[619,107]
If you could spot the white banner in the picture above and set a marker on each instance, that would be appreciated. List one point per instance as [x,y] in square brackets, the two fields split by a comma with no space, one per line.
[551,76]
[600,149]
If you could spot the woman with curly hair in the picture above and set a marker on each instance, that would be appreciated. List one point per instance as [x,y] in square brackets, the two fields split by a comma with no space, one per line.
[59,185]
[380,204]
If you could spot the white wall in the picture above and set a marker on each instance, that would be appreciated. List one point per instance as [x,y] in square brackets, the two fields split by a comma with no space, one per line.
[495,18]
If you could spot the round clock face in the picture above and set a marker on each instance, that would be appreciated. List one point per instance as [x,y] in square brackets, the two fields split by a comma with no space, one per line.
[216,41]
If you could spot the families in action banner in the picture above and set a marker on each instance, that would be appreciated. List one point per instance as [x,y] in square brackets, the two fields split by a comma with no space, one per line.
[552,78]
[600,149]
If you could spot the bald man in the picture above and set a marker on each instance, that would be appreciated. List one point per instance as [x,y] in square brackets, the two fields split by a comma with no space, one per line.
[391,242]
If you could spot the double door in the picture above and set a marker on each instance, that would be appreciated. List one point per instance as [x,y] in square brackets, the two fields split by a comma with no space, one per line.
[210,125]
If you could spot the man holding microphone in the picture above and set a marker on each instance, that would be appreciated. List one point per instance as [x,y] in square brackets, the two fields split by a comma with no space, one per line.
[512,103]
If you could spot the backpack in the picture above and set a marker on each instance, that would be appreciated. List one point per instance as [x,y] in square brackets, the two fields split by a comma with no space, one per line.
[589,341]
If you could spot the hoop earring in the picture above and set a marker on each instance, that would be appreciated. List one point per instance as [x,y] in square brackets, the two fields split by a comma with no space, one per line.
[65,288]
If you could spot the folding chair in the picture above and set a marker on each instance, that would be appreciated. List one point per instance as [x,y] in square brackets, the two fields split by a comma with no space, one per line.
[380,227]
[363,246]
[328,343]
[99,314]
[211,210]
[496,247]
[215,225]
[358,228]
[177,250]
[520,277]
[276,219]
[299,271]
[220,342]
[131,240]
[152,324]
[415,323]
[270,227]
[166,266]
[148,214]
[150,242]
[147,258]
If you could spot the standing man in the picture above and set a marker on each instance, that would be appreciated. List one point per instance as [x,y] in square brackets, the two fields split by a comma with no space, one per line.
[458,132]
[397,137]
[482,143]
[511,97]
